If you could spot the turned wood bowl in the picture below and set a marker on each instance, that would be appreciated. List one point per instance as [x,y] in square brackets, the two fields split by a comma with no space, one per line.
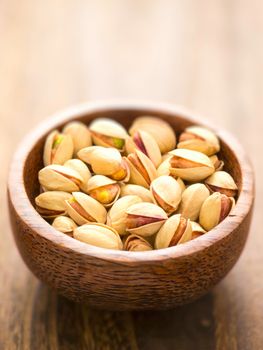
[121,280]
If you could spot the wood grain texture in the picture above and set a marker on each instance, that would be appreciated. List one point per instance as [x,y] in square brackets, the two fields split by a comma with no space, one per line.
[206,55]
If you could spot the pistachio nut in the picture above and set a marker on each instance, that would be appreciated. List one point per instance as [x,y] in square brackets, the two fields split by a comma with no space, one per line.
[192,199]
[164,167]
[84,209]
[197,230]
[103,189]
[135,243]
[106,161]
[190,165]
[58,148]
[199,139]
[52,203]
[160,130]
[82,169]
[222,182]
[117,214]
[59,178]
[218,164]
[144,142]
[142,169]
[98,235]
[64,224]
[108,133]
[215,209]
[166,193]
[176,230]
[137,190]
[80,134]
[144,219]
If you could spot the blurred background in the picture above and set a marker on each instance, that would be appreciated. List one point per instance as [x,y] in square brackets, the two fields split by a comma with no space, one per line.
[206,55]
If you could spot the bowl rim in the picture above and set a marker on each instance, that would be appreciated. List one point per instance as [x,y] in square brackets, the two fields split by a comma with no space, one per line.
[25,210]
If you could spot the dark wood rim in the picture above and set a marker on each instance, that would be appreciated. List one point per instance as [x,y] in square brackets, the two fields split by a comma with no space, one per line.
[29,215]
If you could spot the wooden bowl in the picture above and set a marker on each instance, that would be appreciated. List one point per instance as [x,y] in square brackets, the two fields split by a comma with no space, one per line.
[121,280]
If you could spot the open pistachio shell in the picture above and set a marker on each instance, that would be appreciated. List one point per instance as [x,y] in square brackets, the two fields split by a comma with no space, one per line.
[52,203]
[103,189]
[176,230]
[64,224]
[117,214]
[58,148]
[82,169]
[59,178]
[144,142]
[137,190]
[108,133]
[192,199]
[80,134]
[135,243]
[166,193]
[98,235]
[199,139]
[142,169]
[190,165]
[222,182]
[160,130]
[164,167]
[215,209]
[218,164]
[197,230]
[144,219]
[84,209]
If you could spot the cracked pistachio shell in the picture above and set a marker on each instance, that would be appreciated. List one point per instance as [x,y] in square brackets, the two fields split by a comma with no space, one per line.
[218,164]
[59,178]
[199,139]
[52,203]
[164,167]
[176,230]
[58,148]
[144,142]
[192,199]
[166,193]
[117,214]
[80,134]
[98,235]
[108,133]
[135,243]
[142,169]
[84,209]
[82,169]
[64,224]
[137,190]
[160,130]
[103,189]
[222,182]
[144,219]
[190,165]
[197,230]
[215,209]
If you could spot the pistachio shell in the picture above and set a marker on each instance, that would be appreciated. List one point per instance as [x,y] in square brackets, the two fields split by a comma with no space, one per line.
[192,199]
[190,165]
[84,209]
[82,169]
[137,190]
[164,167]
[59,178]
[176,230]
[166,193]
[218,164]
[142,170]
[197,230]
[64,224]
[52,203]
[144,142]
[222,182]
[135,243]
[199,139]
[103,189]
[98,235]
[215,209]
[58,148]
[160,130]
[144,219]
[80,135]
[117,214]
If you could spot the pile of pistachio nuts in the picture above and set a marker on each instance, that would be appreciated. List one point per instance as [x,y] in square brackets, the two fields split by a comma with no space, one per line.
[137,190]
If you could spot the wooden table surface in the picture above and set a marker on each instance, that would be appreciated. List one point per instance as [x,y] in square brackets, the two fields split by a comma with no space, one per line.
[206,55]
